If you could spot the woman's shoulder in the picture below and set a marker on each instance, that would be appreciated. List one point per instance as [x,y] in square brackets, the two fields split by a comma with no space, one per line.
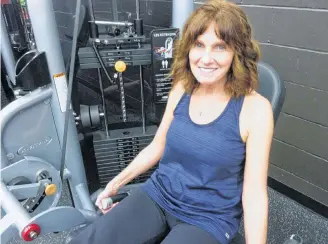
[256,113]
[256,103]
[175,95]
[177,92]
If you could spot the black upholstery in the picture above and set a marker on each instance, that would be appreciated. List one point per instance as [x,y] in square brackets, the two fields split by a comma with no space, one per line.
[271,87]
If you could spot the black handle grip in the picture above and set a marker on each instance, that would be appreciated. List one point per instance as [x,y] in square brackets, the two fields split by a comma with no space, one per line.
[119,197]
[108,202]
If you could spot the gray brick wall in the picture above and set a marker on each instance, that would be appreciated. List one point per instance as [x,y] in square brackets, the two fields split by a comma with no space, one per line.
[293,37]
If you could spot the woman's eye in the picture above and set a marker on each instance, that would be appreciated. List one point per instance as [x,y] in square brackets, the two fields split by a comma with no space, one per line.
[197,44]
[221,47]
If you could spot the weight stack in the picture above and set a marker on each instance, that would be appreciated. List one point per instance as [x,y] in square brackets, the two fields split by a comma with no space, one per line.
[114,153]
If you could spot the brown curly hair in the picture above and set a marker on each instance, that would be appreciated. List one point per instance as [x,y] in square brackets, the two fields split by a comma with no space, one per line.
[233,28]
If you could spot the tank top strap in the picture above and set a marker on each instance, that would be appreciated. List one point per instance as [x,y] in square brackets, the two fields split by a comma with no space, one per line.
[237,105]
[182,104]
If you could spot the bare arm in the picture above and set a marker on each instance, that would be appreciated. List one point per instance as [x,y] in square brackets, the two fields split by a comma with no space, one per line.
[255,195]
[150,155]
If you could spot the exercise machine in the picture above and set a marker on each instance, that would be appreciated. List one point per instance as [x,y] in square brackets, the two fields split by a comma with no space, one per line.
[34,159]
[39,126]
[40,145]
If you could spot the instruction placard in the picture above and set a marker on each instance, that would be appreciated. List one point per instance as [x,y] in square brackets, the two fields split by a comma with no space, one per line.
[162,45]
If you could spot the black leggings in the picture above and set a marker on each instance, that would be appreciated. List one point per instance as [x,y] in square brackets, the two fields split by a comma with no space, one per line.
[138,219]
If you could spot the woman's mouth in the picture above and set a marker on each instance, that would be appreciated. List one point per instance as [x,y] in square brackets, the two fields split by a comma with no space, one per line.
[207,72]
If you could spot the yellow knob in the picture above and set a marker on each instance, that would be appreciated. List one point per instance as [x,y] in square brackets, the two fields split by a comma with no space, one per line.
[120,66]
[50,189]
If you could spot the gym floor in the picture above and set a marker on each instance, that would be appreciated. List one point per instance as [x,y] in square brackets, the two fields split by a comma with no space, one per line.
[286,217]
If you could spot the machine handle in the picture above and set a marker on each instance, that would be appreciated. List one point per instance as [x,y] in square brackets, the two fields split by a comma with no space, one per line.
[108,202]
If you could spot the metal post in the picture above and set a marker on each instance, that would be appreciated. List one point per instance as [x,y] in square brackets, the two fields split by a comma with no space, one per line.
[181,10]
[47,40]
[114,9]
[141,79]
[13,207]
[93,26]
[142,101]
[103,101]
[138,8]
[7,52]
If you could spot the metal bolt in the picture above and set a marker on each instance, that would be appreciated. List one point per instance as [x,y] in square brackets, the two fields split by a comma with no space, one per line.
[10,156]
[33,235]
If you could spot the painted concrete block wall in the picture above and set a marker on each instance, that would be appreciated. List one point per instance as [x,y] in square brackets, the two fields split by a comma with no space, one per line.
[294,40]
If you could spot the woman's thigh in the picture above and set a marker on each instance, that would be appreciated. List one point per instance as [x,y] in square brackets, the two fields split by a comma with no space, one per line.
[186,233]
[136,219]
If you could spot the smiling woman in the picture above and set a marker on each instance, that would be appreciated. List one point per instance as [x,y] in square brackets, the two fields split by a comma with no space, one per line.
[212,145]
[217,35]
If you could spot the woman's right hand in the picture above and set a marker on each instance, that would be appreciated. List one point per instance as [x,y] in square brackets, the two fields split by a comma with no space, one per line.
[109,191]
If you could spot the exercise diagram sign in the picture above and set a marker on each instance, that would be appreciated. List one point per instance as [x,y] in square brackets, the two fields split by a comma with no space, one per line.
[162,43]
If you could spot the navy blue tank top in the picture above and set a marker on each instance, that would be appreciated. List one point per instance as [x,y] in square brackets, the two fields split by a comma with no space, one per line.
[199,178]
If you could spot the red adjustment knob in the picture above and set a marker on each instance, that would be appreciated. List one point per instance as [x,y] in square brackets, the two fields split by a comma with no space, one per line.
[30,232]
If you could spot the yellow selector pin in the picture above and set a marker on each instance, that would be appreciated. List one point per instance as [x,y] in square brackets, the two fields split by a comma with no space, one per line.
[120,66]
[50,189]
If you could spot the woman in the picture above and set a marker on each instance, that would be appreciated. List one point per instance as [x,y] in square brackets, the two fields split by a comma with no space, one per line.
[213,145]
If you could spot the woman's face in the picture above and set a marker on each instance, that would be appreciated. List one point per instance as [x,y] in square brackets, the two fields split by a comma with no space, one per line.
[210,58]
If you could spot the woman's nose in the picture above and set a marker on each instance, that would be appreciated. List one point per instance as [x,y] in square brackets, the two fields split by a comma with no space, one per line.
[206,57]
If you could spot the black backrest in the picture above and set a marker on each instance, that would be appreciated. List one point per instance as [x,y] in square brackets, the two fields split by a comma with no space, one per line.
[271,87]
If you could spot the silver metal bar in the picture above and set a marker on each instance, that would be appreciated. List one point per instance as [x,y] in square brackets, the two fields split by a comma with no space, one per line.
[91,13]
[70,86]
[138,8]
[103,101]
[83,193]
[13,207]
[114,9]
[25,191]
[118,23]
[93,27]
[181,10]
[142,100]
[7,52]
